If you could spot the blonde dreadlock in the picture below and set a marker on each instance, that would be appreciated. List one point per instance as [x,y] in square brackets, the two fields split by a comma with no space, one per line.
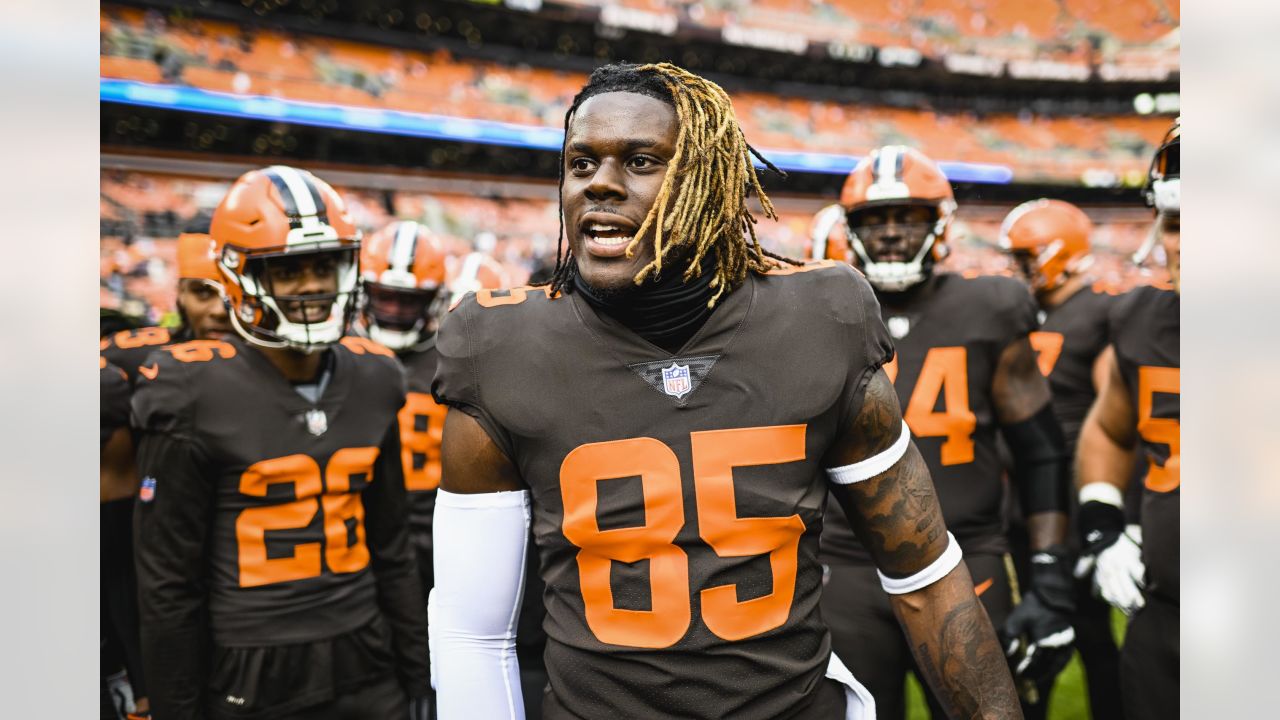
[712,167]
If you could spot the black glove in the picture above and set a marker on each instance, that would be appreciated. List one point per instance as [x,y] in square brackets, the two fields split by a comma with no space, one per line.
[1101,524]
[1037,635]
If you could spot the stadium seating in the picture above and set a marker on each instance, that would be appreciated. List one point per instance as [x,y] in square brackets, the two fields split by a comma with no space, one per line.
[142,214]
[223,57]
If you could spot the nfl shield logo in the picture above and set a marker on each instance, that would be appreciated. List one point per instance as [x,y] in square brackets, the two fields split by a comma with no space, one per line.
[675,380]
[317,423]
[147,492]
[898,326]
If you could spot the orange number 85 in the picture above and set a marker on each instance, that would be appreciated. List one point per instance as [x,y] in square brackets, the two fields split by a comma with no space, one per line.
[715,454]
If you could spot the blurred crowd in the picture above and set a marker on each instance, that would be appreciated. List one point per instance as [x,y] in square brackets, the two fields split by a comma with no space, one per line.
[143,214]
[145,46]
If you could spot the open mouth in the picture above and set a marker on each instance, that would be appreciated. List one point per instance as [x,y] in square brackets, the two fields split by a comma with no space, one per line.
[606,234]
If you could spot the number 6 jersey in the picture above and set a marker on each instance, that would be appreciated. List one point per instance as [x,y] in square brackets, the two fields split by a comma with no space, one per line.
[677,499]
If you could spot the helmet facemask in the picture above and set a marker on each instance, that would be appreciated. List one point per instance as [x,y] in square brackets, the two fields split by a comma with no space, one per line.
[266,313]
[897,275]
[400,317]
[1163,191]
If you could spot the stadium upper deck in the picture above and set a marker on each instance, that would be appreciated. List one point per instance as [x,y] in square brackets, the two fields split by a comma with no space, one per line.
[233,58]
[1135,39]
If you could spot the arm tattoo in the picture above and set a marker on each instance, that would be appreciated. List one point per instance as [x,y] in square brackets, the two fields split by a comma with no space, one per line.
[895,514]
[963,665]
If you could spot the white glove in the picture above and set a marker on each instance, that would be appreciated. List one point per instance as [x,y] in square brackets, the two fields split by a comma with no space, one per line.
[1118,571]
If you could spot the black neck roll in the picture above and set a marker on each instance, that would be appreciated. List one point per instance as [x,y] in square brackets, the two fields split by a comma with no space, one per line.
[665,311]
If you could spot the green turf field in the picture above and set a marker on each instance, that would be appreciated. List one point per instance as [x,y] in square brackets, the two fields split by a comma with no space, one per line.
[1068,701]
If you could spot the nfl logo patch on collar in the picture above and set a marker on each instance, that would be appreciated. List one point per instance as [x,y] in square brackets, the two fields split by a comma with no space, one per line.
[676,381]
[317,422]
[676,378]
[147,491]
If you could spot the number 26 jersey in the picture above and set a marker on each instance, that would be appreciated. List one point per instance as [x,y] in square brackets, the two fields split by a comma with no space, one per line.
[677,499]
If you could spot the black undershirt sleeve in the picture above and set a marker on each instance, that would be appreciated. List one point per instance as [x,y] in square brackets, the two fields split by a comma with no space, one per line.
[170,534]
[1041,467]
[400,596]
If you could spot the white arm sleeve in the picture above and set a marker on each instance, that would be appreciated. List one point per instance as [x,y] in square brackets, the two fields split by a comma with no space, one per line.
[479,545]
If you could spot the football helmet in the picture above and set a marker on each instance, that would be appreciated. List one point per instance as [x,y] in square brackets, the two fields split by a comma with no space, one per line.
[196,259]
[279,215]
[1163,190]
[898,176]
[475,271]
[826,235]
[1049,239]
[403,266]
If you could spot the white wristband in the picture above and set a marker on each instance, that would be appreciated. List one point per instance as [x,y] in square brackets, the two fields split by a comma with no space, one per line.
[935,571]
[874,465]
[1102,492]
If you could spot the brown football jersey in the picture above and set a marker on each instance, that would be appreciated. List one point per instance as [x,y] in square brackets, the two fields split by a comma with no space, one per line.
[421,427]
[1069,340]
[677,499]
[129,349]
[948,344]
[286,555]
[1145,328]
[113,396]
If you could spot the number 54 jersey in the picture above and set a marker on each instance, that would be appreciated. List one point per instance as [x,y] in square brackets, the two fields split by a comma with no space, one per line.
[949,343]
[677,499]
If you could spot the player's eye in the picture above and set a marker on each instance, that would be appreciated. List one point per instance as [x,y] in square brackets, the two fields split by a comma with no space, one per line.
[641,162]
[580,164]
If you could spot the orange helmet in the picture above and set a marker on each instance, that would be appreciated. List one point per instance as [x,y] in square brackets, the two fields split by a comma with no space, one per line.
[403,266]
[476,271]
[276,213]
[827,235]
[898,176]
[1049,239]
[196,260]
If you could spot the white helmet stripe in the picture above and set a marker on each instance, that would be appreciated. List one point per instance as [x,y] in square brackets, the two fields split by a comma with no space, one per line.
[403,246]
[300,191]
[888,164]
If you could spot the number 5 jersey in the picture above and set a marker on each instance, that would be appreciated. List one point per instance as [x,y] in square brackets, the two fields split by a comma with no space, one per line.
[677,498]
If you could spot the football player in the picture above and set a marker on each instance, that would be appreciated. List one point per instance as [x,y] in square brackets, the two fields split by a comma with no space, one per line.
[1136,568]
[403,267]
[275,572]
[1049,242]
[964,370]
[200,309]
[669,414]
[203,317]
